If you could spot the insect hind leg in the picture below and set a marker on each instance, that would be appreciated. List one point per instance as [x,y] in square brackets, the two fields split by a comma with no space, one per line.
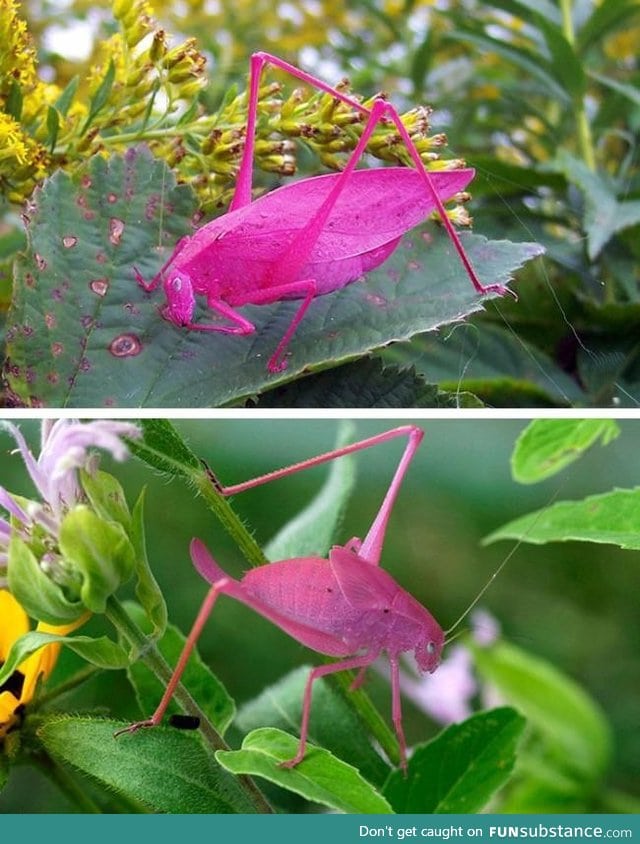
[380,110]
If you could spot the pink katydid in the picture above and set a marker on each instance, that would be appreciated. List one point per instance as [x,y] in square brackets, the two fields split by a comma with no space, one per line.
[309,237]
[345,607]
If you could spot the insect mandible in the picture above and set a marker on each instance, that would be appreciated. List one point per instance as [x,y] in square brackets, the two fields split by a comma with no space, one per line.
[345,606]
[309,237]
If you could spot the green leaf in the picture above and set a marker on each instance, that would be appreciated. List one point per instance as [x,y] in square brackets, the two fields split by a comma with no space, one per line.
[533,64]
[100,550]
[197,678]
[631,92]
[53,126]
[101,341]
[604,215]
[101,651]
[609,518]
[13,103]
[167,770]
[546,446]
[606,16]
[506,178]
[147,590]
[460,769]
[565,64]
[320,777]
[63,103]
[333,724]
[576,734]
[163,448]
[313,530]
[40,597]
[489,361]
[99,99]
[365,383]
[4,770]
[528,8]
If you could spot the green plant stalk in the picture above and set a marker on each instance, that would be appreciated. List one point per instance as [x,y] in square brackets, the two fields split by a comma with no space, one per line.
[77,679]
[585,139]
[152,658]
[363,705]
[229,519]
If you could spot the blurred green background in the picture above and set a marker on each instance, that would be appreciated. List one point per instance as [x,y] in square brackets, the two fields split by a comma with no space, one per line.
[574,604]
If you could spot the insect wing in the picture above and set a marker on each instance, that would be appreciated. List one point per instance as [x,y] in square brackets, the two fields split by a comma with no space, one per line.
[378,206]
[364,586]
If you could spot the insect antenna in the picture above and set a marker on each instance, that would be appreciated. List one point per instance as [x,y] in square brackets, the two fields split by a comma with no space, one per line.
[495,574]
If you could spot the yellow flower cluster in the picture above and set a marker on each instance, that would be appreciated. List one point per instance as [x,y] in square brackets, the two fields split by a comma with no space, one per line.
[17,57]
[140,88]
[22,158]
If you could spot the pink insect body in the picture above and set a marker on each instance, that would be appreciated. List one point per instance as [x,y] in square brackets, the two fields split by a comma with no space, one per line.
[345,607]
[307,238]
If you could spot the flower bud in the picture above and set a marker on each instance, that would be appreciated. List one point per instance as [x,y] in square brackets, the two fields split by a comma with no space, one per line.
[100,551]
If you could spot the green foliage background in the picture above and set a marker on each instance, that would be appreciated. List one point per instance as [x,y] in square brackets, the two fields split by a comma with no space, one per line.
[572,604]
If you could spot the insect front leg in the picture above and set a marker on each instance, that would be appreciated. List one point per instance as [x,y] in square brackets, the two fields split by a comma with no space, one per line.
[155,281]
[396,711]
[181,303]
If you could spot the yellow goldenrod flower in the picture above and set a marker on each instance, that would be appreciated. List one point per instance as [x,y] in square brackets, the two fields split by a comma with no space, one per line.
[12,141]
[21,686]
[18,56]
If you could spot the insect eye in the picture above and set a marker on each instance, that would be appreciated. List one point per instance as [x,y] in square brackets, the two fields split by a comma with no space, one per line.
[431,648]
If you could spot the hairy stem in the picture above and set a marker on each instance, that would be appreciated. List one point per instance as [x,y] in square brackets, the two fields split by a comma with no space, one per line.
[229,519]
[361,702]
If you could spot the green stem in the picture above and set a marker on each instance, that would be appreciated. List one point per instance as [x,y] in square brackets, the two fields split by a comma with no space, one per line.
[76,680]
[585,138]
[376,724]
[155,662]
[230,520]
[66,783]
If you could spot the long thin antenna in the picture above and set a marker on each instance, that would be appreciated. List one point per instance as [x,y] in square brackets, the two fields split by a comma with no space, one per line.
[502,565]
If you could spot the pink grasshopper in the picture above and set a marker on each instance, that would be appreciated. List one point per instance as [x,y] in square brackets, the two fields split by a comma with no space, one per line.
[309,237]
[345,607]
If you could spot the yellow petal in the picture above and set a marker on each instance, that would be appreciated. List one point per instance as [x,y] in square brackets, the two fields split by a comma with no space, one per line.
[8,705]
[42,662]
[13,624]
